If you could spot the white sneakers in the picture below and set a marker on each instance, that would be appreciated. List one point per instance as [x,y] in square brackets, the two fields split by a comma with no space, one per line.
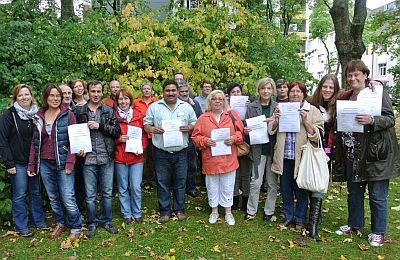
[229,219]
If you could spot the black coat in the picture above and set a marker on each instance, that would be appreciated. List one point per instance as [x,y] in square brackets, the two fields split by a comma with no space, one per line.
[15,145]
[376,151]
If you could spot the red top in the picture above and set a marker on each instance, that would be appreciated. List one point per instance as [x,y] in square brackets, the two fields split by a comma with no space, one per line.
[125,157]
[141,106]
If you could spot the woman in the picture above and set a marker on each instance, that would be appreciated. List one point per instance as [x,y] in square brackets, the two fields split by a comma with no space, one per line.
[366,159]
[287,155]
[78,91]
[128,165]
[243,174]
[16,129]
[324,98]
[261,154]
[50,155]
[219,170]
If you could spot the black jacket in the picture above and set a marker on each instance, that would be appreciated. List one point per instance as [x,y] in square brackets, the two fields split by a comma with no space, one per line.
[376,151]
[108,125]
[15,144]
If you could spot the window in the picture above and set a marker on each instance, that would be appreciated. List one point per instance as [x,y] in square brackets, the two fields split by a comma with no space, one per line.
[382,69]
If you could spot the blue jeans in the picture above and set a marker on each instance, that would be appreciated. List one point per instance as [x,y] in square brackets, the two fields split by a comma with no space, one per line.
[21,184]
[378,192]
[192,167]
[104,173]
[289,186]
[130,175]
[61,192]
[171,169]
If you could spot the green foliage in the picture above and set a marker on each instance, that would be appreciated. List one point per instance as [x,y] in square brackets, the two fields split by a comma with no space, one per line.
[5,196]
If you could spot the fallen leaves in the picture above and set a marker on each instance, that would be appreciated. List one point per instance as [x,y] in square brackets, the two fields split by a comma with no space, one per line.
[216,249]
[395,208]
[11,233]
[348,240]
[363,247]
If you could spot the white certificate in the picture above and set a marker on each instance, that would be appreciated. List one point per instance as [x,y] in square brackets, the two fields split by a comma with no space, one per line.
[134,143]
[346,116]
[289,120]
[370,101]
[172,136]
[79,138]
[219,136]
[238,103]
[259,130]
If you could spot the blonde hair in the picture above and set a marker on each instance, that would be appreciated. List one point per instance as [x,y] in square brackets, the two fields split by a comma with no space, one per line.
[212,95]
[18,88]
[265,81]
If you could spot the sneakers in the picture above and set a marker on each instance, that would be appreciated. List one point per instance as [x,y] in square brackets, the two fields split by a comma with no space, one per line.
[25,233]
[163,219]
[343,230]
[376,240]
[57,231]
[181,216]
[267,217]
[111,229]
[213,217]
[91,232]
[43,227]
[249,217]
[229,219]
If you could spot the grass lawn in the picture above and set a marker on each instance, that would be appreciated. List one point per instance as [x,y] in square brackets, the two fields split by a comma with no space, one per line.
[195,238]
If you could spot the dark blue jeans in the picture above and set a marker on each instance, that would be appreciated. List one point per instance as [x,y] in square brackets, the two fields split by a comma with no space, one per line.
[192,167]
[21,185]
[105,174]
[289,187]
[171,171]
[378,192]
[61,192]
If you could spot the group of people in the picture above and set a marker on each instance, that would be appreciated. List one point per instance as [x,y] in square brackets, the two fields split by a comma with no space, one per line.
[34,142]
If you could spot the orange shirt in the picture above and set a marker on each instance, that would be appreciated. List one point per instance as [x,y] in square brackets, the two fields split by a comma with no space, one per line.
[141,106]
[110,102]
[202,132]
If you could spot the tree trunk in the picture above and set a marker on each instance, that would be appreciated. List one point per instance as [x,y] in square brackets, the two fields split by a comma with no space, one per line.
[328,57]
[348,35]
[67,9]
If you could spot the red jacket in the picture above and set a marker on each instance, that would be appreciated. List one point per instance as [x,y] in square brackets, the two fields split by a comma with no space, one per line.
[202,132]
[120,155]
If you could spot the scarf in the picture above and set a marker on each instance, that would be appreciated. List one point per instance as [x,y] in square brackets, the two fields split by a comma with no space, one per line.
[126,115]
[25,114]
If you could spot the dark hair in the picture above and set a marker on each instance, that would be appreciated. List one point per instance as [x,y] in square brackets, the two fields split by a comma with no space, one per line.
[231,86]
[72,83]
[170,82]
[94,83]
[46,94]
[205,82]
[124,92]
[301,86]
[359,65]
[281,82]
[317,100]
[18,88]
[178,73]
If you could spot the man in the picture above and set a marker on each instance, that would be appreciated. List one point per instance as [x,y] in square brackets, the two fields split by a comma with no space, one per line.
[178,76]
[206,89]
[67,96]
[170,162]
[113,87]
[141,105]
[99,164]
[282,89]
[192,162]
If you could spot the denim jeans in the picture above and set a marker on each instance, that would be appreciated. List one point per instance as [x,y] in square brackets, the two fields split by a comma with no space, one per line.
[171,171]
[61,192]
[192,167]
[21,185]
[130,176]
[104,173]
[378,192]
[289,186]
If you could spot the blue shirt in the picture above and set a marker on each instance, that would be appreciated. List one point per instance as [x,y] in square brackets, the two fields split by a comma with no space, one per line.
[159,111]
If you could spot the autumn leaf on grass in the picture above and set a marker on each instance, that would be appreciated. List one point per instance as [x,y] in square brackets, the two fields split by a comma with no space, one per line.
[271,239]
[172,251]
[199,238]
[273,219]
[381,257]
[200,221]
[216,249]
[281,227]
[11,233]
[65,244]
[291,244]
[359,233]
[188,250]
[198,208]
[348,240]
[327,230]
[34,242]
[182,229]
[363,247]
[48,250]
[396,208]
[342,257]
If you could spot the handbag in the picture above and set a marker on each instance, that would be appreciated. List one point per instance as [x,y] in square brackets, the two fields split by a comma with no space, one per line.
[244,148]
[313,172]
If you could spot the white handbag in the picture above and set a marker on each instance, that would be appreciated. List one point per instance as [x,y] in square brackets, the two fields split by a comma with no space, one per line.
[313,172]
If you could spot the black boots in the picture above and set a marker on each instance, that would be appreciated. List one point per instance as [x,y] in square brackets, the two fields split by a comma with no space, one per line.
[244,203]
[235,205]
[236,201]
[315,213]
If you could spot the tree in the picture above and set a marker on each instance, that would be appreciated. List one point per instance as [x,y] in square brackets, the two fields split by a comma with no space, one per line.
[288,10]
[348,32]
[67,9]
[320,26]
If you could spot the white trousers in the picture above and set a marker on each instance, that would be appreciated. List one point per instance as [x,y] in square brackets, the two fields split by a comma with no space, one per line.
[220,189]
